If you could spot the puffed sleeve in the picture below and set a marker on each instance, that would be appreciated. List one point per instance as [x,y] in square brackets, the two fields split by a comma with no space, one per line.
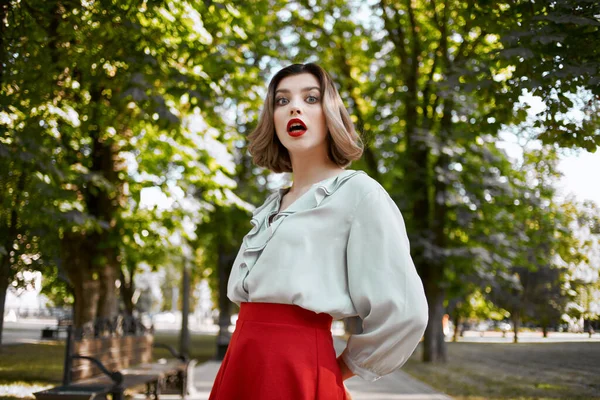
[385,289]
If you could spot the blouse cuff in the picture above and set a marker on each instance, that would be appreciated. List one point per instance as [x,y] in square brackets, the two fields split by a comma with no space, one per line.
[360,371]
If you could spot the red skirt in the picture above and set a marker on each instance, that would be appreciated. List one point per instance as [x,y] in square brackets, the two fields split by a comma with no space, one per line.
[279,351]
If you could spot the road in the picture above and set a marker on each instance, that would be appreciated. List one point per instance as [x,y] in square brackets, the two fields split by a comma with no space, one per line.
[29,331]
[527,337]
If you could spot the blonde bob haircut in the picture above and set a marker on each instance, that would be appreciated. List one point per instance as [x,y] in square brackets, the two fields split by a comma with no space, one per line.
[345,145]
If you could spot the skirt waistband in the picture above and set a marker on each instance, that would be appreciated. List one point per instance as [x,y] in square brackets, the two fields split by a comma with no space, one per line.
[284,314]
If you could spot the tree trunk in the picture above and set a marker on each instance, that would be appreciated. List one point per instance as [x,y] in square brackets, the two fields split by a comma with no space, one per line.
[107,303]
[516,323]
[102,203]
[127,291]
[3,291]
[87,294]
[545,330]
[4,7]
[434,346]
[435,294]
[223,338]
[456,322]
[184,339]
[368,156]
[5,275]
[77,252]
[4,258]
[418,183]
[11,235]
[442,350]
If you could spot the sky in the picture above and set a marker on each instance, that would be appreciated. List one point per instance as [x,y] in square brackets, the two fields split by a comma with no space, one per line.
[581,169]
[581,176]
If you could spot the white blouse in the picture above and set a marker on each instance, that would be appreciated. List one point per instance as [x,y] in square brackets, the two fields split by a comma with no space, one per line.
[341,249]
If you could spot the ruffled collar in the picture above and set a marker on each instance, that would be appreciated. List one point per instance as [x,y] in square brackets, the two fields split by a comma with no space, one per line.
[263,230]
[314,195]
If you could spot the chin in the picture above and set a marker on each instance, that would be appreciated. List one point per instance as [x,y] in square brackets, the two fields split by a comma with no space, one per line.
[303,148]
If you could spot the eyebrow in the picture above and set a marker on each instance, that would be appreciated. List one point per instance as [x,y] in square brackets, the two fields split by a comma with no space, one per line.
[306,89]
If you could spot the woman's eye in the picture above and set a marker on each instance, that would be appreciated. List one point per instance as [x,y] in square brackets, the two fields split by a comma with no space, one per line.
[312,99]
[281,101]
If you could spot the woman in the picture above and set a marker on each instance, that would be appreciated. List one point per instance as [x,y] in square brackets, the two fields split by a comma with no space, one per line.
[331,246]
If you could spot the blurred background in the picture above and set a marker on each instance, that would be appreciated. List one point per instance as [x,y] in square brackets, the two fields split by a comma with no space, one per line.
[126,186]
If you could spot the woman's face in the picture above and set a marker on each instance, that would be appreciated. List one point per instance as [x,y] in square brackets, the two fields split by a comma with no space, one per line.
[298,112]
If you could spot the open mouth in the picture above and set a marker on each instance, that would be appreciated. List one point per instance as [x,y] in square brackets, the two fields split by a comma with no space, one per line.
[296,127]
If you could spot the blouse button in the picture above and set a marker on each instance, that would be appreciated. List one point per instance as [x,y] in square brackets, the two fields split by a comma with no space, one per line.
[243,265]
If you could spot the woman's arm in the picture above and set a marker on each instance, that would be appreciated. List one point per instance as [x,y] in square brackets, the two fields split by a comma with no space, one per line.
[385,289]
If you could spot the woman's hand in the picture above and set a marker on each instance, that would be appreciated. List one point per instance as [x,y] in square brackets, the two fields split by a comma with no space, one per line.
[346,372]
[348,395]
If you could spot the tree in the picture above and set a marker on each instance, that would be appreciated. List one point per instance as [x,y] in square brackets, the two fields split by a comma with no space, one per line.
[112,114]
[424,87]
[153,96]
[554,54]
[534,286]
[429,82]
[584,273]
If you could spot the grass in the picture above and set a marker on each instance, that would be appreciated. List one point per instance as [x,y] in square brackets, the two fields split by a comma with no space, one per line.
[36,364]
[27,368]
[475,371]
[202,347]
[514,371]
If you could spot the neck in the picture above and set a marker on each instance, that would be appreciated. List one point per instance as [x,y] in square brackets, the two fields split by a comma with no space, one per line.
[312,167]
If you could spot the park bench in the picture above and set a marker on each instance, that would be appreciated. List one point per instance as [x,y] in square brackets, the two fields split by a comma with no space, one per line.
[52,332]
[109,357]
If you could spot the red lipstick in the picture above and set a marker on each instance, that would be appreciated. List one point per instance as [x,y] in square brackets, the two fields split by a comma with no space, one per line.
[296,127]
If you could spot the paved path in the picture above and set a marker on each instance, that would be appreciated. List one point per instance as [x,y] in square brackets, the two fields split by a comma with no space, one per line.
[29,332]
[395,386]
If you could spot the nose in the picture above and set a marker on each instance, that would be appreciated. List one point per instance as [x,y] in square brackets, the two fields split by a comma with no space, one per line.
[295,109]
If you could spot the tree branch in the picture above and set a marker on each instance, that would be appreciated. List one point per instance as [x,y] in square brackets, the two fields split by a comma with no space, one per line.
[397,35]
[444,35]
[435,15]
[467,29]
[370,158]
[472,47]
[416,41]
[429,84]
